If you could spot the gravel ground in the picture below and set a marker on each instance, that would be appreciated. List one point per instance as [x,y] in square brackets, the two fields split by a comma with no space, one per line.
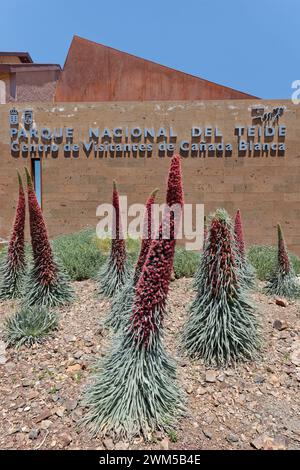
[255,405]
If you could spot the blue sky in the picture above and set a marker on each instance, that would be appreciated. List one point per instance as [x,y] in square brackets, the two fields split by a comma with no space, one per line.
[251,45]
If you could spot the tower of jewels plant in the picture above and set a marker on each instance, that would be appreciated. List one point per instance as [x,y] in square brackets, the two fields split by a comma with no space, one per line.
[47,283]
[197,275]
[222,327]
[283,281]
[247,271]
[122,301]
[135,390]
[114,273]
[13,269]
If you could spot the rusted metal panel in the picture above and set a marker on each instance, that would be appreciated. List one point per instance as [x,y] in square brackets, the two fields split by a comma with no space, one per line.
[94,72]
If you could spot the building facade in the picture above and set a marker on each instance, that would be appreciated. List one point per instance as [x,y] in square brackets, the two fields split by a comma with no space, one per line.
[238,151]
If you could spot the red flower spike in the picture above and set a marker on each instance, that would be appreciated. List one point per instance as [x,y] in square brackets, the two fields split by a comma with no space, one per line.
[118,249]
[41,249]
[239,234]
[153,285]
[147,235]
[16,247]
[283,258]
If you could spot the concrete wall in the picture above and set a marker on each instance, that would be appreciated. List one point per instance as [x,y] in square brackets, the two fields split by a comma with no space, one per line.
[266,188]
[36,86]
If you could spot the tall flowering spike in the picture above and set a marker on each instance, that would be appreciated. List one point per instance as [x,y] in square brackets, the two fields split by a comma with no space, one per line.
[153,285]
[123,300]
[148,229]
[221,326]
[247,271]
[47,284]
[283,281]
[136,390]
[239,234]
[114,273]
[14,268]
[283,257]
[204,231]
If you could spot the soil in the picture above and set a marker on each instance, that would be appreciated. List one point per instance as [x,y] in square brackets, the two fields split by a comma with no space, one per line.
[253,406]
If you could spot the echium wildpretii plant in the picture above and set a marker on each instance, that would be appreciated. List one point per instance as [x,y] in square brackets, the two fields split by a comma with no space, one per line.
[135,390]
[247,271]
[114,273]
[123,300]
[197,275]
[221,327]
[283,282]
[13,270]
[47,283]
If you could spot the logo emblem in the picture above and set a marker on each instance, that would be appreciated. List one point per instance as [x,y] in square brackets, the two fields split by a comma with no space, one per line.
[13,117]
[28,118]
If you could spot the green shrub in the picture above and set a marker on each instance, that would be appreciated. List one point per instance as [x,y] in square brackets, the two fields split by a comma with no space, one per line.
[185,263]
[82,254]
[29,325]
[79,254]
[264,259]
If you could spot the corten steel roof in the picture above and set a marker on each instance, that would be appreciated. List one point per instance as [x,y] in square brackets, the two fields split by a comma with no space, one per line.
[93,72]
[24,57]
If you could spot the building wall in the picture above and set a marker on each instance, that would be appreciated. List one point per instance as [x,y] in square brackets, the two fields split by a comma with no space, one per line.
[36,86]
[265,188]
[4,88]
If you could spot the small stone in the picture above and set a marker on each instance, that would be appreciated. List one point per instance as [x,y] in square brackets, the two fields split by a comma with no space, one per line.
[281,302]
[295,357]
[280,325]
[159,435]
[201,390]
[78,354]
[210,376]
[71,405]
[74,368]
[257,443]
[274,380]
[46,424]
[122,446]
[232,437]
[76,415]
[32,395]
[88,340]
[44,415]
[259,380]
[60,411]
[3,360]
[27,408]
[26,383]
[207,433]
[70,338]
[189,389]
[164,443]
[10,367]
[65,439]
[284,335]
[108,443]
[14,430]
[33,434]
[209,419]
